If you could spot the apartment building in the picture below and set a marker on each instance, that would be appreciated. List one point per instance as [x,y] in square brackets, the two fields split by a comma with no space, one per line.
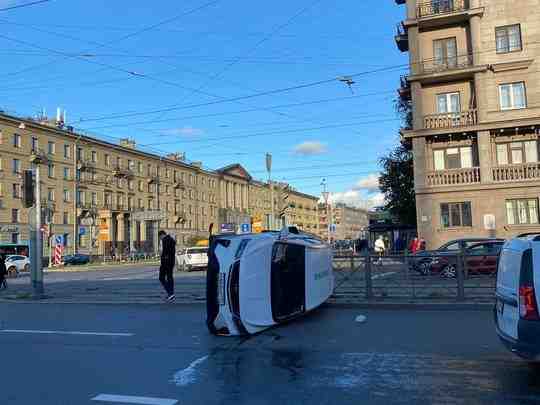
[351,222]
[474,84]
[302,211]
[115,197]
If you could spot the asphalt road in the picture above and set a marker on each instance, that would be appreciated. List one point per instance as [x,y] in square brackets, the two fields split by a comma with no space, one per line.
[54,354]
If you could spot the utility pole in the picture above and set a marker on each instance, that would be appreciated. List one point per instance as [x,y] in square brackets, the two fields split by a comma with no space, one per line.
[269,170]
[35,236]
[75,194]
[326,195]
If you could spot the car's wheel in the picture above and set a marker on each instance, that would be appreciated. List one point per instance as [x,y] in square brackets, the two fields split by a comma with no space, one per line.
[424,268]
[189,267]
[12,272]
[449,271]
[27,267]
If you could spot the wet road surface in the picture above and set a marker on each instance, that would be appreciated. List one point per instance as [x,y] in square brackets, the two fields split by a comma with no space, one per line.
[54,354]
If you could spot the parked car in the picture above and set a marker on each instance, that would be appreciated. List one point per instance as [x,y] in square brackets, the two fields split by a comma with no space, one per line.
[16,264]
[257,281]
[76,259]
[192,258]
[517,317]
[479,258]
[422,260]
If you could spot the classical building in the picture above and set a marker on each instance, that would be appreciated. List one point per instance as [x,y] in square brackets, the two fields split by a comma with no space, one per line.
[115,197]
[475,92]
[351,222]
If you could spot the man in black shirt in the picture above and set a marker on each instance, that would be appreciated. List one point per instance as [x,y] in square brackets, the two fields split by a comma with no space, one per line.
[168,260]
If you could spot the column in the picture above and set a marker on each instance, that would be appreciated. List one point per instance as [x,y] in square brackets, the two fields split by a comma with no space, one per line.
[419,153]
[485,156]
[133,234]
[415,50]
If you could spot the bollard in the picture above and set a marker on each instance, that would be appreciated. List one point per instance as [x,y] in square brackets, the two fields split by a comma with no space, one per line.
[460,277]
[369,284]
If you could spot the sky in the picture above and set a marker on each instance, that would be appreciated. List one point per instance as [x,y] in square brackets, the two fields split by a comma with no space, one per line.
[223,81]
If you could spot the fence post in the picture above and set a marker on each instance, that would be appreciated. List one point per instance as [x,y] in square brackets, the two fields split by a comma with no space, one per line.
[369,284]
[460,277]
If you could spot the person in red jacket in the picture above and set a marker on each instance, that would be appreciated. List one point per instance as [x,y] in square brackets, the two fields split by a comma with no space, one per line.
[413,247]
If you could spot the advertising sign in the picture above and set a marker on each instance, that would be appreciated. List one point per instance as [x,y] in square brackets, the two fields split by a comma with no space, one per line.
[227,228]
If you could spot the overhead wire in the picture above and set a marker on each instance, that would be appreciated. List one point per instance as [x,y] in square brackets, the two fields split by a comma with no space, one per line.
[16,6]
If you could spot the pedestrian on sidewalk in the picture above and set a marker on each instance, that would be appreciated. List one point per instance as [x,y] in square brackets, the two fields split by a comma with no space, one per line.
[168,258]
[380,247]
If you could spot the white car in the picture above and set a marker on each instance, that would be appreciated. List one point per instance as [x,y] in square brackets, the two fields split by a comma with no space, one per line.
[256,281]
[517,316]
[192,258]
[16,264]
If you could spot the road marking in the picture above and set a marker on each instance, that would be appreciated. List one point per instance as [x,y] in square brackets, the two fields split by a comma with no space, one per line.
[187,375]
[383,275]
[61,332]
[128,399]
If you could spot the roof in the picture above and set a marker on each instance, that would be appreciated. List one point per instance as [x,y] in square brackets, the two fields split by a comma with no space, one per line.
[235,170]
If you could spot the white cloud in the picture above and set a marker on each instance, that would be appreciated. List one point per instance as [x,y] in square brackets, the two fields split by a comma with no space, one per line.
[310,148]
[369,183]
[355,198]
[185,131]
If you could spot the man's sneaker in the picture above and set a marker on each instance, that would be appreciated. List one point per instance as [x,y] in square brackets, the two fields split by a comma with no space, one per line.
[171,298]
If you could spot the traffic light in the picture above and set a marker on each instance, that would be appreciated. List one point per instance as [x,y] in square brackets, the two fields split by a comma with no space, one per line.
[28,189]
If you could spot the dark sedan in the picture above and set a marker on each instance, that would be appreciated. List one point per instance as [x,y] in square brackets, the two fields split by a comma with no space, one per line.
[76,259]
[479,259]
[422,261]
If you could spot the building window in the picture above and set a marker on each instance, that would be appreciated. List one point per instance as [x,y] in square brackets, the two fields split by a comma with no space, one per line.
[66,173]
[66,195]
[167,173]
[445,52]
[522,212]
[118,161]
[50,170]
[16,140]
[517,153]
[508,38]
[16,190]
[15,216]
[66,151]
[50,194]
[131,164]
[80,154]
[140,204]
[167,189]
[65,218]
[141,185]
[131,184]
[456,214]
[35,144]
[140,167]
[130,203]
[94,156]
[14,238]
[16,166]
[448,103]
[107,160]
[512,96]
[51,147]
[453,158]
[94,198]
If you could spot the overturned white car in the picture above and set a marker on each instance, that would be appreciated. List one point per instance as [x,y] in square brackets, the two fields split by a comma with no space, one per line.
[256,281]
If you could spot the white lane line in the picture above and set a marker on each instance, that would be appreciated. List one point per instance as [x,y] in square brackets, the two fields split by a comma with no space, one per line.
[128,399]
[383,275]
[61,332]
[187,375]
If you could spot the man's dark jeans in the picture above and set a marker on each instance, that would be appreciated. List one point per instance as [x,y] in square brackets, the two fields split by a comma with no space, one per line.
[166,278]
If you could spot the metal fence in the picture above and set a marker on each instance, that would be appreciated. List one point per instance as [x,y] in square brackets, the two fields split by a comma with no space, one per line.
[433,277]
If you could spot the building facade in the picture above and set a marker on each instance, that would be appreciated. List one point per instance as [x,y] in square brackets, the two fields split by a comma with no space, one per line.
[474,85]
[351,223]
[115,198]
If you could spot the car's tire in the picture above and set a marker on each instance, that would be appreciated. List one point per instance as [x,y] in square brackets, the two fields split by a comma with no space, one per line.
[449,271]
[189,267]
[27,268]
[424,268]
[12,272]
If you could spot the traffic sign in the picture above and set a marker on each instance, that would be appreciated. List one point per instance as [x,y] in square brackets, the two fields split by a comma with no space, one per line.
[82,230]
[245,228]
[87,221]
[59,240]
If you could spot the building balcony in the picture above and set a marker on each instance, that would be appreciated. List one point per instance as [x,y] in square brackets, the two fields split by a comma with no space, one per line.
[441,8]
[85,165]
[446,65]
[404,90]
[402,38]
[451,120]
[121,172]
[520,172]
[453,177]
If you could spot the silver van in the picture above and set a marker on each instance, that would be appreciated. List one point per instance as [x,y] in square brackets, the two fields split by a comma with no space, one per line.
[517,317]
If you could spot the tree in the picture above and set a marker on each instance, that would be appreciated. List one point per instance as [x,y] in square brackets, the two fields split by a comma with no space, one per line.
[397,176]
[397,184]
